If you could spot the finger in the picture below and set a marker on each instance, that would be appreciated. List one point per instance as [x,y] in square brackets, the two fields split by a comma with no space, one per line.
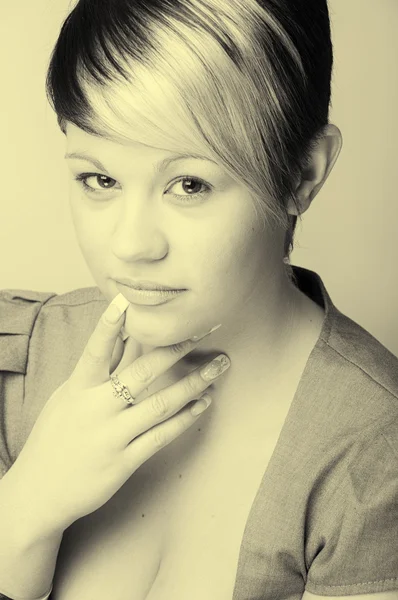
[143,371]
[132,350]
[94,364]
[150,442]
[117,354]
[164,403]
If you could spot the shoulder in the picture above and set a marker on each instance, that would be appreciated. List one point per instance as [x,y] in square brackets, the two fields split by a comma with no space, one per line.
[26,313]
[351,393]
[77,297]
[350,376]
[362,353]
[18,312]
[353,377]
[72,298]
[42,335]
[352,541]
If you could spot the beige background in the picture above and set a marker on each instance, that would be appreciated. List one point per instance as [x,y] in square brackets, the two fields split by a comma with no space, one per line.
[348,236]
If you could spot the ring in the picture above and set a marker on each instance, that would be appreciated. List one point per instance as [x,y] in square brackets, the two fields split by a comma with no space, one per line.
[121,391]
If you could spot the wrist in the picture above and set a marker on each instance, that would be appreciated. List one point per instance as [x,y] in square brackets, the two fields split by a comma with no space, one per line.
[29,520]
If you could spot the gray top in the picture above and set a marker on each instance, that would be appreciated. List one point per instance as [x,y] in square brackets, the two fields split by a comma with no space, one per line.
[325,517]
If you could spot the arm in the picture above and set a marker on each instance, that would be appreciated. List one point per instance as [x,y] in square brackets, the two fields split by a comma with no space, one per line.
[354,549]
[28,553]
[26,558]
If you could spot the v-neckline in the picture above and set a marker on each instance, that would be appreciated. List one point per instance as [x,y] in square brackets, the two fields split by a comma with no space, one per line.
[312,285]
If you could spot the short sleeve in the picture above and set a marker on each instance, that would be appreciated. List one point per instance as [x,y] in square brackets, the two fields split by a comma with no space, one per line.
[358,537]
[18,312]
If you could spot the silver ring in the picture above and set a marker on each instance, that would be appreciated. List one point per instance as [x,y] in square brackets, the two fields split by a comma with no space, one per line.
[121,391]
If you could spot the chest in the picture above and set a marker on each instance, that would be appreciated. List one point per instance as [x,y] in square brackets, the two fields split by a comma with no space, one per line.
[175,529]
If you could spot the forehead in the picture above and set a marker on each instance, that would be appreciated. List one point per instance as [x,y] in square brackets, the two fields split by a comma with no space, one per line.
[79,140]
[86,146]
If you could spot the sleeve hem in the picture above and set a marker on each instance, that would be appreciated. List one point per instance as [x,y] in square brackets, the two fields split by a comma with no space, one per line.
[350,589]
[45,597]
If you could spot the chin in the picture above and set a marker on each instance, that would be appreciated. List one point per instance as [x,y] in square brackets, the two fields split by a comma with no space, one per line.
[155,334]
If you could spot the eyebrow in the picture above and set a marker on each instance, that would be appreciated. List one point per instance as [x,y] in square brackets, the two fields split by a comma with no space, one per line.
[161,166]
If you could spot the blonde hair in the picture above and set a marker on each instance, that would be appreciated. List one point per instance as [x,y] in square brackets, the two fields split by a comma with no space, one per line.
[226,79]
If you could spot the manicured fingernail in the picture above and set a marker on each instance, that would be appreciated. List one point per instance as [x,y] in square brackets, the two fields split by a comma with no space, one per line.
[197,338]
[216,367]
[201,405]
[116,308]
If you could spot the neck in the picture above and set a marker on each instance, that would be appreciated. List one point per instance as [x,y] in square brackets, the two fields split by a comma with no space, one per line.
[268,345]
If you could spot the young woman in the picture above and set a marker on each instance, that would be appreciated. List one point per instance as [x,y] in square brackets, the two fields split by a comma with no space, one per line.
[197,133]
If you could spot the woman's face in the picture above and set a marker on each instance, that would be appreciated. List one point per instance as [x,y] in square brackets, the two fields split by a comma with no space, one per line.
[142,221]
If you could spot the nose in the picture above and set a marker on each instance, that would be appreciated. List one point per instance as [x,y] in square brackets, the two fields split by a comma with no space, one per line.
[137,234]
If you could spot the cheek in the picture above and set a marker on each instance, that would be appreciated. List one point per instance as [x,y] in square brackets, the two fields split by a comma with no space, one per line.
[229,259]
[91,231]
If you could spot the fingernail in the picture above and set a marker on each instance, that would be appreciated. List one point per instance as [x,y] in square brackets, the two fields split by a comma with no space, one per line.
[201,405]
[116,308]
[217,366]
[197,338]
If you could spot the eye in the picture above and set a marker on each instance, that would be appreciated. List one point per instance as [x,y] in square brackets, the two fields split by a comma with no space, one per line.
[104,182]
[193,186]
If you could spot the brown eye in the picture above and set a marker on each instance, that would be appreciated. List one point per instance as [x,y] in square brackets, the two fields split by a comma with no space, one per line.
[192,188]
[105,182]
[101,182]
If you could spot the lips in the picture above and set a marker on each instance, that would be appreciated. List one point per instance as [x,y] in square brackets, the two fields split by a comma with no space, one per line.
[147,297]
[145,285]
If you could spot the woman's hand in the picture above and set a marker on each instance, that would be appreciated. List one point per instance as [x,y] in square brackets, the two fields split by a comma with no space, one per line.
[86,442]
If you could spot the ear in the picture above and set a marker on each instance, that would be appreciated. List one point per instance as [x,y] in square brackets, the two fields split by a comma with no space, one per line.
[314,175]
